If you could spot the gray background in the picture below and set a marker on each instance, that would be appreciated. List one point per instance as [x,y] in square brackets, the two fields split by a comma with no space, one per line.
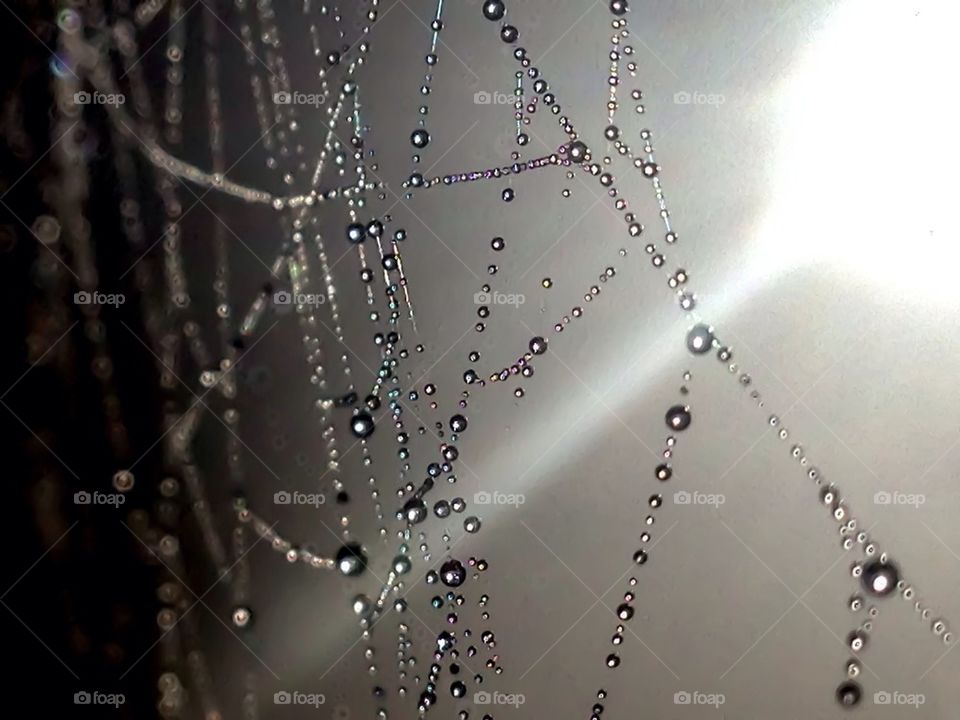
[813,211]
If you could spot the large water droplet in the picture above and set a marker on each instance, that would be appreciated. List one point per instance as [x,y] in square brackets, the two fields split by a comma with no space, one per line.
[452,573]
[879,578]
[362,425]
[678,418]
[351,560]
[848,694]
[494,9]
[700,339]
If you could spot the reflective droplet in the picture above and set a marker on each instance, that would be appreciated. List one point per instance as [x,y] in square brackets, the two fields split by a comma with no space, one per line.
[241,616]
[362,605]
[415,510]
[879,578]
[452,573]
[577,151]
[848,694]
[494,9]
[123,480]
[351,560]
[700,339]
[419,138]
[356,233]
[678,418]
[445,641]
[362,425]
[538,346]
[401,564]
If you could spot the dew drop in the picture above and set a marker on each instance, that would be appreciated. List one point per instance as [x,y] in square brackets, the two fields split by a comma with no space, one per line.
[351,560]
[678,418]
[700,339]
[452,573]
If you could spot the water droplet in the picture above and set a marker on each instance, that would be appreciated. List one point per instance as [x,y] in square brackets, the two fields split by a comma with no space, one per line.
[700,339]
[123,480]
[452,573]
[879,578]
[577,151]
[678,418]
[241,616]
[420,138]
[849,694]
[351,560]
[362,605]
[494,10]
[362,425]
[415,510]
